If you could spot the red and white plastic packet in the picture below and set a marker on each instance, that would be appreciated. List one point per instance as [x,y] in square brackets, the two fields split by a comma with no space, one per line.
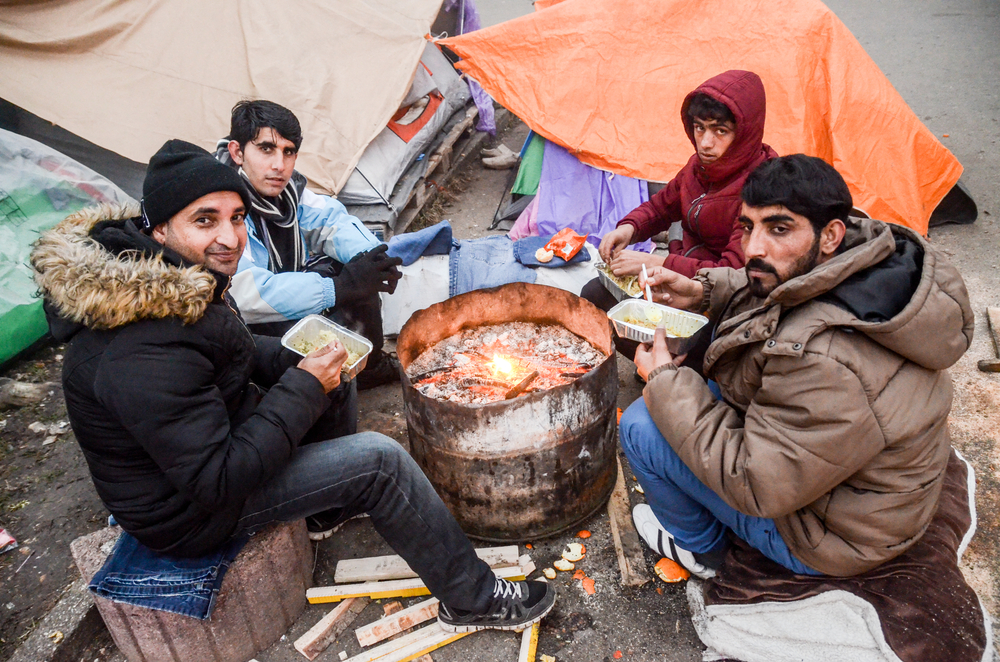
[7,541]
[566,243]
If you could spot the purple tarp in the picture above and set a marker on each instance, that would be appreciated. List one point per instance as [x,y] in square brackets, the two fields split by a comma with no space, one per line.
[584,198]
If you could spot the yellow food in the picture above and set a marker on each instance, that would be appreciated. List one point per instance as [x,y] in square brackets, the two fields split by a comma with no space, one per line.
[543,255]
[322,339]
[628,283]
[646,324]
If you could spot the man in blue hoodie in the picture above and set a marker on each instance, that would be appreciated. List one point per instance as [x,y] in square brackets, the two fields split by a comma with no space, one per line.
[305,254]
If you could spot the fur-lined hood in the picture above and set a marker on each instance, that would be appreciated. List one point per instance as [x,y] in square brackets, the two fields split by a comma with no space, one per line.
[87,284]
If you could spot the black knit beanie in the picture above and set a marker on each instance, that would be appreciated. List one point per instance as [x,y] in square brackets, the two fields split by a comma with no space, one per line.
[180,173]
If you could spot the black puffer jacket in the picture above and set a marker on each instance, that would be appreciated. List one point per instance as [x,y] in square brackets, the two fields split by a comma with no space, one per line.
[161,378]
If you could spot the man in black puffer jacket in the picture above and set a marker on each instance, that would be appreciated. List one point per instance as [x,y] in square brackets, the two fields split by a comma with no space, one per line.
[165,389]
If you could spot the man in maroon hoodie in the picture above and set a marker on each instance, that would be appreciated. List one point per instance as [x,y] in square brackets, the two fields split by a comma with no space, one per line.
[724,119]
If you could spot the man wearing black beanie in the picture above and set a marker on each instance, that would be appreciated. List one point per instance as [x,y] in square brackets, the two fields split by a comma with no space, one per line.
[195,431]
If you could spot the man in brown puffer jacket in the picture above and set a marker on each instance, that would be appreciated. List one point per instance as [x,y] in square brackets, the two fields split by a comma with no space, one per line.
[824,440]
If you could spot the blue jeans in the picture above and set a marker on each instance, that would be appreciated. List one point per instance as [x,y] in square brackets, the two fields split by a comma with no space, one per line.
[370,473]
[686,507]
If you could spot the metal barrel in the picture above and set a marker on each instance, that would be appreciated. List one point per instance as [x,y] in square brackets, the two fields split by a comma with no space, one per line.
[529,467]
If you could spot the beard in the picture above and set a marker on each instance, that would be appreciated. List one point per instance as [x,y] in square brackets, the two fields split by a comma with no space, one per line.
[761,288]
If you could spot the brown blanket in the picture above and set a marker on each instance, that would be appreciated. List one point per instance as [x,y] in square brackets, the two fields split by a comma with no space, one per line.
[927,611]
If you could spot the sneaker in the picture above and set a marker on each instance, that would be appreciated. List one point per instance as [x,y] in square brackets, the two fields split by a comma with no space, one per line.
[320,528]
[386,371]
[515,606]
[324,524]
[492,153]
[662,542]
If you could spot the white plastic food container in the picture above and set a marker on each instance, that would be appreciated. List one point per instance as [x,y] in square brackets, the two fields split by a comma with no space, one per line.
[682,327]
[613,287]
[309,328]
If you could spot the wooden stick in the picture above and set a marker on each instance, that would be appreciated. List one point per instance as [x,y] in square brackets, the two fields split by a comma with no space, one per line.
[521,386]
[392,624]
[321,635]
[400,588]
[631,561]
[381,568]
[529,644]
[410,646]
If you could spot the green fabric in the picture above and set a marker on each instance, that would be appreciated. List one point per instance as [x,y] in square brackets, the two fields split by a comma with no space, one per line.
[531,167]
[24,213]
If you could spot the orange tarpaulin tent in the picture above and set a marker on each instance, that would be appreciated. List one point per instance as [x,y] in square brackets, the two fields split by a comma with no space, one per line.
[605,79]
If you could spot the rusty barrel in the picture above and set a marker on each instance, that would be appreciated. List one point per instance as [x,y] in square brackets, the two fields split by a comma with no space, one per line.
[529,467]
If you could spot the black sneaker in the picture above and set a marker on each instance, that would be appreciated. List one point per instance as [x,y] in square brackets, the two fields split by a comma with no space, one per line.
[324,524]
[321,526]
[515,606]
[385,371]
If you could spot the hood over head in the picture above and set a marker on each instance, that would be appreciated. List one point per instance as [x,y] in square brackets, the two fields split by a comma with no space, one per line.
[891,285]
[97,270]
[743,94]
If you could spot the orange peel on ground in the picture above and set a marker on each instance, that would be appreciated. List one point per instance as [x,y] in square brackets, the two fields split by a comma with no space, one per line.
[563,565]
[588,585]
[574,552]
[670,572]
[579,574]
[583,534]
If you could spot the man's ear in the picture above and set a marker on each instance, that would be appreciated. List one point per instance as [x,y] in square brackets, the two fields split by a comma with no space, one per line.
[831,237]
[159,233]
[235,153]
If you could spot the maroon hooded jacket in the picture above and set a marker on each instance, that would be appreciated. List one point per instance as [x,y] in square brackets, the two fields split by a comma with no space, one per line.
[706,198]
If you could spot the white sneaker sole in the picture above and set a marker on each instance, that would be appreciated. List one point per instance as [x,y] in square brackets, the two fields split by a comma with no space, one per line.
[459,629]
[316,536]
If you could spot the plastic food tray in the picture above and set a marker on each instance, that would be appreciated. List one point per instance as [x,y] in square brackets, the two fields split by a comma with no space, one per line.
[682,327]
[310,326]
[613,287]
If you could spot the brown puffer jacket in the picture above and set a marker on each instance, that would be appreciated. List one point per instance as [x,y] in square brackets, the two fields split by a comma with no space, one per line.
[834,422]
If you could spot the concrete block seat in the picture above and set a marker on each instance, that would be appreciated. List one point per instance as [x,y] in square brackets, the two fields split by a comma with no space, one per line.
[914,608]
[262,594]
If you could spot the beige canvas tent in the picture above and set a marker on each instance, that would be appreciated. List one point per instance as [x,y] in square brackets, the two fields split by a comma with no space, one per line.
[130,74]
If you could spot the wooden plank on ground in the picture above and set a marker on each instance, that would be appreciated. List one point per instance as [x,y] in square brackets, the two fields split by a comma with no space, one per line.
[410,646]
[628,547]
[393,624]
[382,568]
[529,644]
[399,588]
[321,635]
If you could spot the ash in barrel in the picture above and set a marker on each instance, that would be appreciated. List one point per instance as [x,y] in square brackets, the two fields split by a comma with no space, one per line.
[487,363]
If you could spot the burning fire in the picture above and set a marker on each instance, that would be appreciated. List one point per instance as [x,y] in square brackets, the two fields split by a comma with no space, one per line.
[500,365]
[519,358]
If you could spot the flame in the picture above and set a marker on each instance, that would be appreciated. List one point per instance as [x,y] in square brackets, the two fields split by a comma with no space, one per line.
[501,365]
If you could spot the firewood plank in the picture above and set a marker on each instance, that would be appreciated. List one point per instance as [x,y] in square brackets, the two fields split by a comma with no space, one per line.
[399,588]
[326,631]
[383,568]
[529,644]
[371,634]
[628,547]
[409,646]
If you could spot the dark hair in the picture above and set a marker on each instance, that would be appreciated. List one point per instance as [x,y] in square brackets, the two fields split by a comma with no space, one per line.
[806,185]
[249,117]
[705,107]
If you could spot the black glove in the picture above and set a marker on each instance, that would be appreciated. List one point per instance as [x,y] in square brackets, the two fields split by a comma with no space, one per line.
[366,275]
